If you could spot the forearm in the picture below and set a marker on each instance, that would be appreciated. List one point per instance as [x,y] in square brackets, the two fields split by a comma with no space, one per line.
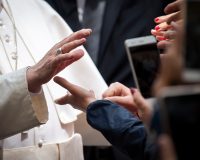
[119,126]
[19,111]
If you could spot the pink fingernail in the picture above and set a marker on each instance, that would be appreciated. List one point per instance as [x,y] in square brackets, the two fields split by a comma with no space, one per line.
[157,19]
[157,28]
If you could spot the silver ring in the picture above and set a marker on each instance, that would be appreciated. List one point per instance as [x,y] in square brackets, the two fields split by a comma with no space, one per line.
[58,51]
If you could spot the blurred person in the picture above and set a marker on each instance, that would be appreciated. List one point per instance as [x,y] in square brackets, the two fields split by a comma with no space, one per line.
[27,32]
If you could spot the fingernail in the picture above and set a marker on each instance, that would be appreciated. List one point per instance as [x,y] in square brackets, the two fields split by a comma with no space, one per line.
[157,28]
[132,90]
[157,19]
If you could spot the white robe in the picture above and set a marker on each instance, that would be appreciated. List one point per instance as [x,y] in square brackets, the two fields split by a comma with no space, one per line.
[40,28]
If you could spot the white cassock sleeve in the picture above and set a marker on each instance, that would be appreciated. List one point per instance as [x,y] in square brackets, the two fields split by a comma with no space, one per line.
[18,110]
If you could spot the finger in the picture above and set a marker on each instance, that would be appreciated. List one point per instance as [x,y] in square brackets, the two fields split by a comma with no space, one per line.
[163,44]
[84,33]
[173,7]
[162,19]
[67,47]
[120,100]
[65,60]
[170,34]
[162,27]
[175,17]
[73,89]
[176,25]
[64,100]
[71,56]
[157,33]
[109,92]
[161,38]
[116,89]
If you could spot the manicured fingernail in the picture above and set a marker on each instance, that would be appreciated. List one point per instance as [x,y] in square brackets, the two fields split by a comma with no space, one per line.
[157,28]
[157,19]
[132,90]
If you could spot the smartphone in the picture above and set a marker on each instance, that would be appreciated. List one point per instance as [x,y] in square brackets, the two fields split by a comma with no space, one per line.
[180,118]
[144,59]
[192,41]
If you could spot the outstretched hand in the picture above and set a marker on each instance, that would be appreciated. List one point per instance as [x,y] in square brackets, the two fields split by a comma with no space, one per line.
[77,96]
[53,62]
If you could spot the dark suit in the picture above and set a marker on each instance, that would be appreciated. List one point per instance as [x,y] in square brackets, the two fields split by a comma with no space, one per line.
[122,19]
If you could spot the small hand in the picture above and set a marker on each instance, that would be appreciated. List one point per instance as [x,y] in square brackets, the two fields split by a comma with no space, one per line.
[78,97]
[120,94]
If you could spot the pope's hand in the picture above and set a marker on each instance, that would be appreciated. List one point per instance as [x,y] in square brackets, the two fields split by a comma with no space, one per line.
[58,57]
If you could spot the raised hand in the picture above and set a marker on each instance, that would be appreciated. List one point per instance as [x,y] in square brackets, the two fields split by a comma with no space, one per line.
[58,57]
[77,96]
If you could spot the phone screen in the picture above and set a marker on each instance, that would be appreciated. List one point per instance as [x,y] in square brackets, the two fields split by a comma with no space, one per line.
[145,60]
[181,119]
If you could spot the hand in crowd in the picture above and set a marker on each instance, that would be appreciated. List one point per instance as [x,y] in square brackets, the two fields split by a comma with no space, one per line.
[131,99]
[164,31]
[77,96]
[122,95]
[52,63]
[171,63]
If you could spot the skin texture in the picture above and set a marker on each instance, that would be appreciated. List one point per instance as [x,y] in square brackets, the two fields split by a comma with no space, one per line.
[77,96]
[51,63]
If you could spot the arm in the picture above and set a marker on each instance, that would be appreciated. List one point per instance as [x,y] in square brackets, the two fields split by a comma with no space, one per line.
[121,128]
[118,125]
[18,110]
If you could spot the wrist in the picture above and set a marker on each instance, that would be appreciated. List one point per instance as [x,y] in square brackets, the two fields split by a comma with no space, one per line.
[34,85]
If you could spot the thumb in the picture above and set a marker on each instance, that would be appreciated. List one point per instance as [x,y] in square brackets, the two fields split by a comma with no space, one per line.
[123,101]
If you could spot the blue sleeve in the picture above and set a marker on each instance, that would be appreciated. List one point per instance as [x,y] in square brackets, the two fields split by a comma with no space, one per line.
[120,127]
